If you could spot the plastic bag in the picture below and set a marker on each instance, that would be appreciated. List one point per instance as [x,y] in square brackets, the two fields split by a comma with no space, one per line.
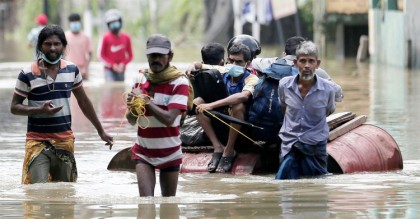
[192,134]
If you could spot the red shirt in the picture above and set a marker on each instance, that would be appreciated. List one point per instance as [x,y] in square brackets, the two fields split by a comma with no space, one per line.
[115,49]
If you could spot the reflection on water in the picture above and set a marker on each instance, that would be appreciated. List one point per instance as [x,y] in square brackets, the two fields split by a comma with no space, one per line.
[388,96]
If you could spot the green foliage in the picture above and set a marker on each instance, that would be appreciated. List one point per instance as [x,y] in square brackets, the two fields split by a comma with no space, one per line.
[183,16]
[305,10]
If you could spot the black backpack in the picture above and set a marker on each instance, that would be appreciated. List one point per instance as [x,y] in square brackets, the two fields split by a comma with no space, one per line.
[209,85]
[265,110]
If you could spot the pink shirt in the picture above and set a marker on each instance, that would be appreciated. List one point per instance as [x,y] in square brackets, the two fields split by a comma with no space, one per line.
[78,48]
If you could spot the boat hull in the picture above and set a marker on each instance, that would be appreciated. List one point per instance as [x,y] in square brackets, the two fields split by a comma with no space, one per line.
[366,148]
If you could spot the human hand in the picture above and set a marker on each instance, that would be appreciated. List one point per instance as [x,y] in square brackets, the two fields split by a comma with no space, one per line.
[190,68]
[107,138]
[203,107]
[49,108]
[119,68]
[129,99]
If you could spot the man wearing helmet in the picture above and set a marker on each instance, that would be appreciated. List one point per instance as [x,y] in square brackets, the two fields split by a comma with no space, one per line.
[115,47]
[251,43]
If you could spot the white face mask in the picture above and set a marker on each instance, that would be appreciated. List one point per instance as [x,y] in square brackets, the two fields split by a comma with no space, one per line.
[75,26]
[235,70]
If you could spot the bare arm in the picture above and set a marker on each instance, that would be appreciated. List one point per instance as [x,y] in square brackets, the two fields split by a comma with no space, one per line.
[87,108]
[166,117]
[230,100]
[18,108]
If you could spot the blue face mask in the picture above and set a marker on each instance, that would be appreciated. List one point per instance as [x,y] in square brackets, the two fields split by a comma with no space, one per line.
[52,62]
[235,70]
[115,25]
[75,26]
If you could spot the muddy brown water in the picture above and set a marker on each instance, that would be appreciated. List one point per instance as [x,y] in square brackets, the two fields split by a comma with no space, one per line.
[388,96]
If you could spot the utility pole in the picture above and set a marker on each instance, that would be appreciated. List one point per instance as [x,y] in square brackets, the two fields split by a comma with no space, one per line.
[319,8]
[46,8]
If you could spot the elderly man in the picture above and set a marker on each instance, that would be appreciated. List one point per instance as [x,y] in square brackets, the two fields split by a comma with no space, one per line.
[306,101]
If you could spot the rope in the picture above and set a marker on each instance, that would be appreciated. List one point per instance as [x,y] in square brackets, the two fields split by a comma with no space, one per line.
[137,109]
[214,116]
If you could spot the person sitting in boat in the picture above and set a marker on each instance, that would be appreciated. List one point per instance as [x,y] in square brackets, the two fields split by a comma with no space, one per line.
[306,100]
[240,84]
[205,82]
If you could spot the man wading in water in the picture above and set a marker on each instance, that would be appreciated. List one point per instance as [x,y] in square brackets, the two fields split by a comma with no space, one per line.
[48,84]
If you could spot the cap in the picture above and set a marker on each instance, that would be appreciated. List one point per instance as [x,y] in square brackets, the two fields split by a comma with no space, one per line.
[158,43]
[41,19]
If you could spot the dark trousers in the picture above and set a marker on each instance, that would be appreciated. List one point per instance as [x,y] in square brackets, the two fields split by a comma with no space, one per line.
[304,160]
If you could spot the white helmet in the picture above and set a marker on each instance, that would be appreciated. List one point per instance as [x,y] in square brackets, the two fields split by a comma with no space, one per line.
[112,15]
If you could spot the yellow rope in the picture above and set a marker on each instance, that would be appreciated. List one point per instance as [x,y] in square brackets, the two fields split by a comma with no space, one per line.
[232,128]
[137,109]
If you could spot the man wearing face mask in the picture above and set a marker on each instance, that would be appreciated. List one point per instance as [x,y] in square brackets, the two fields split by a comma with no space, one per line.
[79,47]
[240,84]
[47,85]
[115,47]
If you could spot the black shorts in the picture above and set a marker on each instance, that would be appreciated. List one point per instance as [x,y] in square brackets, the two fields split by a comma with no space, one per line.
[167,169]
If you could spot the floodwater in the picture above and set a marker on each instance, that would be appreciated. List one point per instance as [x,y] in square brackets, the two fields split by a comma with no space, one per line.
[388,96]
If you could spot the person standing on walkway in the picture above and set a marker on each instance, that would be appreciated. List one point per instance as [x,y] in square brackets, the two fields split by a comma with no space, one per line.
[165,93]
[115,47]
[47,84]
[79,47]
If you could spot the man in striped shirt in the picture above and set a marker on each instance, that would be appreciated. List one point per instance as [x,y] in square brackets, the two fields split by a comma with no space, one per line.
[165,92]
[48,84]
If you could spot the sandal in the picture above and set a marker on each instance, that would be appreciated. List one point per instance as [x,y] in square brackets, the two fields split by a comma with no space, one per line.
[214,162]
[226,164]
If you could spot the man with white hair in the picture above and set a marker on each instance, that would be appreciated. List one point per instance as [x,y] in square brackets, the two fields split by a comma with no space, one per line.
[306,100]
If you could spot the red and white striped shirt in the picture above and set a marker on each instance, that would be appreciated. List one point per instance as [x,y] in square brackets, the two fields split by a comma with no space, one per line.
[158,144]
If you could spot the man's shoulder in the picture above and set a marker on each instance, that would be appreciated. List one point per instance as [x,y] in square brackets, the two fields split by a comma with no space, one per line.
[251,76]
[328,85]
[181,80]
[125,35]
